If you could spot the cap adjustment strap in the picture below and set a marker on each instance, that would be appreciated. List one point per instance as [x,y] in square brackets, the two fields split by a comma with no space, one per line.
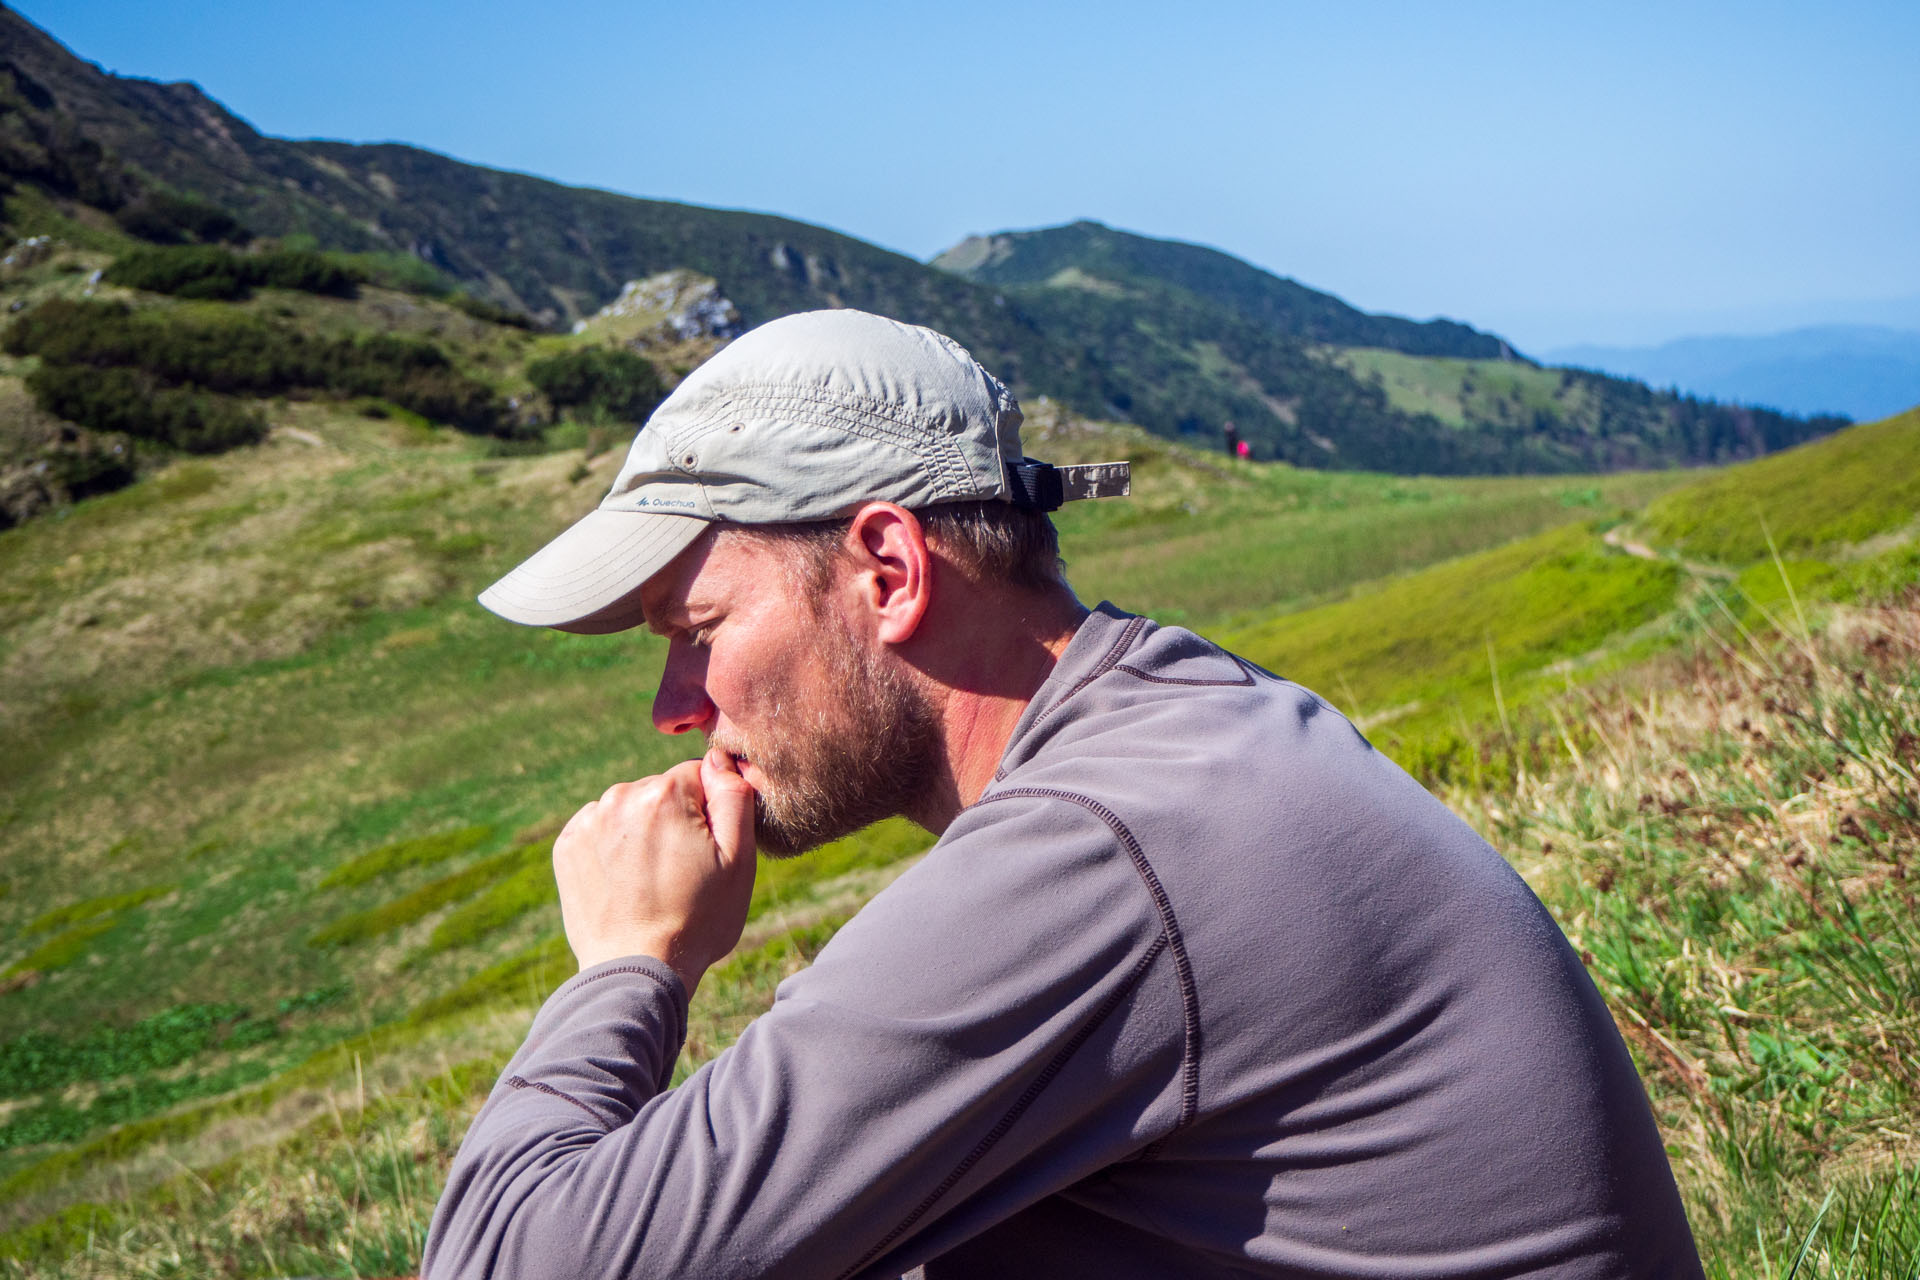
[1044,487]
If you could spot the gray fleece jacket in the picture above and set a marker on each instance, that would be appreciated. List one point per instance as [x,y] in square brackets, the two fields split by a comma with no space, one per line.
[1202,986]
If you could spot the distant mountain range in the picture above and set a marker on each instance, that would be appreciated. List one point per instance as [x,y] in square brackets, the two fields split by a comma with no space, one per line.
[1863,371]
[1178,338]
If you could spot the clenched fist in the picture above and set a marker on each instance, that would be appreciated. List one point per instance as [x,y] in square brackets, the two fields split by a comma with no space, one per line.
[661,867]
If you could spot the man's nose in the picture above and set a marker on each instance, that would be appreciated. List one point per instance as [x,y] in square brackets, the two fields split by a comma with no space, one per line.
[681,704]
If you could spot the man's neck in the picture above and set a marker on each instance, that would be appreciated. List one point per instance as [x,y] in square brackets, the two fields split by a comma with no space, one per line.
[984,675]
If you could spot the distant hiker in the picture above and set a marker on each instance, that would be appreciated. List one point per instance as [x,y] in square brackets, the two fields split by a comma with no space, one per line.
[1242,450]
[1232,435]
[1195,982]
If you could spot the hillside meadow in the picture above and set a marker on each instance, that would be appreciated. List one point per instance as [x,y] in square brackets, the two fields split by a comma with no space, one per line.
[278,800]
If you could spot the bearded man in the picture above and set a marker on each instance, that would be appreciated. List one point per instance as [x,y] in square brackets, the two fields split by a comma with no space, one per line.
[1194,982]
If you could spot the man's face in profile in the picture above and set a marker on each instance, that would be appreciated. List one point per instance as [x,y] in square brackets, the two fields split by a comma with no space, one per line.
[829,729]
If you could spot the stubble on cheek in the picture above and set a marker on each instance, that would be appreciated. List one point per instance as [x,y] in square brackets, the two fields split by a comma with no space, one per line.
[847,741]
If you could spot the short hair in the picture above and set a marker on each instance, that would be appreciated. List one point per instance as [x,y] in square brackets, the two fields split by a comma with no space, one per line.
[990,542]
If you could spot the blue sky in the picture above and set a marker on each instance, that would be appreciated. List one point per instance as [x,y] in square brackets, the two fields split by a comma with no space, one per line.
[1560,173]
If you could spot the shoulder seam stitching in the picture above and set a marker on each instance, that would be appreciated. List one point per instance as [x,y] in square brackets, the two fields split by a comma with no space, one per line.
[521,1082]
[1245,680]
[1169,926]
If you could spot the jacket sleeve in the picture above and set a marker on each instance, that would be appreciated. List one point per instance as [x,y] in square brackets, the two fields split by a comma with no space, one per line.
[1001,1022]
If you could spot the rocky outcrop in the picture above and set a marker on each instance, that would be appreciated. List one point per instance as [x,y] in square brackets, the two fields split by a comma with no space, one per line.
[58,465]
[673,306]
[30,252]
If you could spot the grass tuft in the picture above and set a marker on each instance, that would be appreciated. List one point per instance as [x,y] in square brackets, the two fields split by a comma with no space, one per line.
[429,898]
[401,854]
[1736,865]
[62,949]
[529,887]
[106,904]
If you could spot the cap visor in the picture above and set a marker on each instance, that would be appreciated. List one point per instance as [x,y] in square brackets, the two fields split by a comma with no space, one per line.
[582,581]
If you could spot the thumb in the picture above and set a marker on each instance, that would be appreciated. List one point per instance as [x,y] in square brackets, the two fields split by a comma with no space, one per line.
[729,804]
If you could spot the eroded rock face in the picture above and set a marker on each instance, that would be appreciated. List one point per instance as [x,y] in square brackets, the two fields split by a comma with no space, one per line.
[46,463]
[673,306]
[28,252]
[57,467]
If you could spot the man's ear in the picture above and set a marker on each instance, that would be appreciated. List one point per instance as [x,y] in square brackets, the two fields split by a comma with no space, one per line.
[892,570]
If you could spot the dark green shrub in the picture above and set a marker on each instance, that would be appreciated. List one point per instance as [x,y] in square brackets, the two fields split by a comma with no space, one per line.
[101,360]
[85,463]
[165,218]
[491,312]
[305,271]
[119,399]
[446,395]
[616,383]
[399,271]
[209,271]
[188,271]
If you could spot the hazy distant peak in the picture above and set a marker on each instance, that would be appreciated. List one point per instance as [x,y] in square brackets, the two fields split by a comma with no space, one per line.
[1864,371]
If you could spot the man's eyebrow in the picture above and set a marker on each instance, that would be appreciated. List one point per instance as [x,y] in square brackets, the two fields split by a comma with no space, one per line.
[654,619]
[661,621]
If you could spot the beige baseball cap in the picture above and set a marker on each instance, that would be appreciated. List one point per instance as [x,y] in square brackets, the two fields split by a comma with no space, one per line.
[803,418]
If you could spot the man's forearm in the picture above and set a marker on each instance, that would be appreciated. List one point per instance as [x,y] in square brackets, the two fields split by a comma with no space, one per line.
[602,1046]
[934,1071]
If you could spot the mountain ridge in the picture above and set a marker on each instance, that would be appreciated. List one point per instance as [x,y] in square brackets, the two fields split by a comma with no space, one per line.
[1178,338]
[1127,258]
[1221,340]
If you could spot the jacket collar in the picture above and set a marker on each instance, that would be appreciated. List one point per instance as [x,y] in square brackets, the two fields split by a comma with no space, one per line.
[1105,636]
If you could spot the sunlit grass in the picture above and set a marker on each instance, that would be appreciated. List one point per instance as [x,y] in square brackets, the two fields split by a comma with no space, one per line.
[256,703]
[1845,489]
[1735,860]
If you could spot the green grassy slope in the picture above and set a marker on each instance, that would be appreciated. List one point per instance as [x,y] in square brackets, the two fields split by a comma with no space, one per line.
[1861,485]
[247,672]
[1206,540]
[1459,391]
[1426,658]
[1732,859]
[239,683]
[1433,652]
